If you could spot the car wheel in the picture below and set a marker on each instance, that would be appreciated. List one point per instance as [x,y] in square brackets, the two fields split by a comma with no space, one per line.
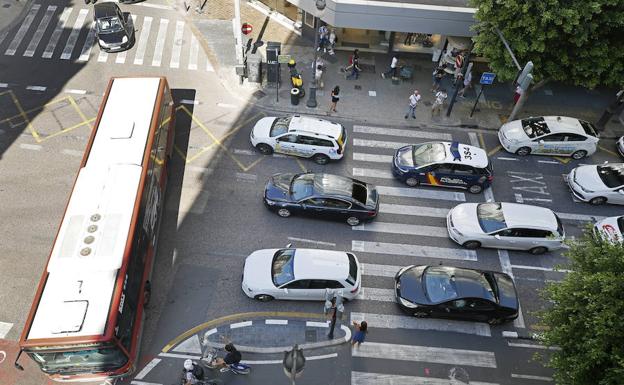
[475,188]
[495,321]
[523,151]
[598,201]
[538,250]
[472,244]
[264,297]
[411,182]
[580,154]
[353,221]
[264,149]
[284,213]
[321,159]
[421,314]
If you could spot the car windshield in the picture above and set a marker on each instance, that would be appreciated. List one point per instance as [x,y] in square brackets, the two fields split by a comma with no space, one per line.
[535,127]
[429,153]
[89,360]
[612,175]
[283,268]
[280,126]
[588,128]
[109,24]
[491,217]
[440,283]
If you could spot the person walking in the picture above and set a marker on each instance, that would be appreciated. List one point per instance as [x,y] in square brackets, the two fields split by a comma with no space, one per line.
[441,96]
[393,67]
[331,315]
[413,102]
[332,41]
[323,35]
[355,69]
[334,99]
[438,74]
[467,84]
[318,74]
[359,336]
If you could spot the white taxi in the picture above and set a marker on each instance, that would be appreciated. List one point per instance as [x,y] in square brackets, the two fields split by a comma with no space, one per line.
[610,229]
[303,136]
[598,183]
[549,135]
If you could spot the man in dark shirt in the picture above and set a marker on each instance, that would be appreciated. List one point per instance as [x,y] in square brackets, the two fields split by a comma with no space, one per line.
[233,356]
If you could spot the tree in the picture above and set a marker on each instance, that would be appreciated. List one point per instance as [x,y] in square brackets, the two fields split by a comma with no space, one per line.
[585,320]
[573,41]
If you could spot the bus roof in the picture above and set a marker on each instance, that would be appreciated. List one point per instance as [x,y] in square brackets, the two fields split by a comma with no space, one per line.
[90,246]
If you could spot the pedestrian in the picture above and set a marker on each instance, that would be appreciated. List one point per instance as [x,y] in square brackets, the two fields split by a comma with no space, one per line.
[440,96]
[332,41]
[467,84]
[334,99]
[318,74]
[413,102]
[359,336]
[355,69]
[323,35]
[438,74]
[393,67]
[331,315]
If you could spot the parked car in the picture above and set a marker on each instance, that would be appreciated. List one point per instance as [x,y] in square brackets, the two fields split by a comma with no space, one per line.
[113,30]
[549,135]
[505,226]
[300,274]
[303,136]
[322,195]
[454,292]
[443,164]
[598,184]
[611,229]
[620,145]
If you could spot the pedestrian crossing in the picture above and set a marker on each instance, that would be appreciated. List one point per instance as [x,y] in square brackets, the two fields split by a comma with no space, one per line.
[68,34]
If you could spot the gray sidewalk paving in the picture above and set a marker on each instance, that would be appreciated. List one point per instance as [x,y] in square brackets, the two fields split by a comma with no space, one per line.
[11,13]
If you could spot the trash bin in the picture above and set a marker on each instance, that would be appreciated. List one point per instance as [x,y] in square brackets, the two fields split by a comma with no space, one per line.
[294,96]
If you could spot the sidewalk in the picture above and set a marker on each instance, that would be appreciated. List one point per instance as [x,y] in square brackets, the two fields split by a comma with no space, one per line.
[12,12]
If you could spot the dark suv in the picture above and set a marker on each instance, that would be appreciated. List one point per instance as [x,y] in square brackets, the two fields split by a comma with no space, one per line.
[113,29]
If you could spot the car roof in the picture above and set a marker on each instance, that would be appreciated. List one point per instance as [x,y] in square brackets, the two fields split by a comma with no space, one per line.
[528,216]
[336,185]
[564,124]
[314,126]
[457,153]
[321,264]
[105,9]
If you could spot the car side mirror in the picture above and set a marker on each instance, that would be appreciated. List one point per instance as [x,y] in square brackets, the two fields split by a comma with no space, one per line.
[621,191]
[497,236]
[541,141]
[288,246]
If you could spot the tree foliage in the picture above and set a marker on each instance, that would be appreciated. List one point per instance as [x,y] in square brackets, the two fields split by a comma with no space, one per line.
[586,319]
[577,42]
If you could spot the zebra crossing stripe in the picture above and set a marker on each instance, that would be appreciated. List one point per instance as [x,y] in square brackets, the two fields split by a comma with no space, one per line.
[103,56]
[19,36]
[376,270]
[43,25]
[413,250]
[420,211]
[372,173]
[388,321]
[73,36]
[209,67]
[368,378]
[376,294]
[177,45]
[160,42]
[142,45]
[5,327]
[402,228]
[402,133]
[421,193]
[455,357]
[86,48]
[377,144]
[194,52]
[372,157]
[56,34]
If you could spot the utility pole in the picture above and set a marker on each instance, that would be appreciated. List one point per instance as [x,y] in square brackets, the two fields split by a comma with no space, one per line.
[615,107]
[524,82]
[238,36]
[320,6]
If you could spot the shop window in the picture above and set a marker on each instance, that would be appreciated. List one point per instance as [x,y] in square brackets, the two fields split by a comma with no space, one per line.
[308,19]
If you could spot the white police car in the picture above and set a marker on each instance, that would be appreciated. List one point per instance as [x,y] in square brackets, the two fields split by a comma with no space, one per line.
[610,229]
[549,135]
[598,183]
[303,136]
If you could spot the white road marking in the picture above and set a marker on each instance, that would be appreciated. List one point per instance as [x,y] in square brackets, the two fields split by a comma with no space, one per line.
[103,56]
[34,147]
[4,85]
[209,67]
[413,250]
[474,140]
[75,153]
[372,173]
[73,36]
[548,161]
[151,365]
[376,270]
[5,327]
[238,151]
[226,105]
[504,158]
[273,362]
[532,346]
[406,192]
[190,101]
[488,194]
[36,88]
[402,228]
[133,382]
[373,157]
[56,34]
[526,267]
[314,324]
[429,354]
[503,257]
[160,42]
[580,217]
[19,36]
[420,211]
[246,177]
[177,45]
[240,324]
[369,378]
[43,25]
[85,53]
[377,144]
[387,321]
[75,91]
[276,322]
[330,244]
[529,377]
[376,294]
[3,36]
[416,133]
[143,38]
[193,53]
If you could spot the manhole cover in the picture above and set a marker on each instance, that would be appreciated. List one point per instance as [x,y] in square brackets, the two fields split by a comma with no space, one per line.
[5,5]
[358,87]
[259,94]
[310,335]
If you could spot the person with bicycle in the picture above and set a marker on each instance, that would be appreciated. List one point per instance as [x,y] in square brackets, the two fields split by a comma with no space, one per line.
[232,357]
[193,373]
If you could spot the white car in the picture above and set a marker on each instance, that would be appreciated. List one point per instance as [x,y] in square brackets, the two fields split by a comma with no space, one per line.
[505,226]
[549,135]
[620,145]
[303,136]
[300,274]
[598,183]
[610,229]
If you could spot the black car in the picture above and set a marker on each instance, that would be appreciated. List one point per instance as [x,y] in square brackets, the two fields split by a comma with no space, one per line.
[322,195]
[113,30]
[454,292]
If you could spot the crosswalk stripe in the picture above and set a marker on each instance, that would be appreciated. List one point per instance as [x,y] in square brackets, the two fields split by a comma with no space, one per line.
[376,270]
[402,228]
[455,357]
[142,45]
[73,36]
[421,193]
[209,67]
[103,56]
[376,294]
[85,53]
[402,133]
[377,143]
[193,53]
[388,321]
[421,211]
[43,25]
[413,250]
[19,36]
[372,157]
[177,45]
[5,327]
[372,173]
[160,42]
[368,378]
[56,34]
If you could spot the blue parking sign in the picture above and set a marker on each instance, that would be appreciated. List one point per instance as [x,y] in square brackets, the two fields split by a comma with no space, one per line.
[487,78]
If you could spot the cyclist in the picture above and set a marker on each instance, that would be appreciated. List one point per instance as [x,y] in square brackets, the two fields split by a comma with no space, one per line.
[232,357]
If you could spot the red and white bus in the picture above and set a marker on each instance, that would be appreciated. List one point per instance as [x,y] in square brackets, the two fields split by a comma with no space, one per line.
[86,319]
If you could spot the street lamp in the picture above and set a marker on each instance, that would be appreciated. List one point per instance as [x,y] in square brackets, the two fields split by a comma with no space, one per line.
[311,103]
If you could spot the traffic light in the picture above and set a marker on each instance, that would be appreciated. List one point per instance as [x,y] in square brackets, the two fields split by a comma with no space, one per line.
[525,77]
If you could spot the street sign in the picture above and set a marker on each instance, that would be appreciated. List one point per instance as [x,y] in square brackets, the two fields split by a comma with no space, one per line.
[246,28]
[283,59]
[487,78]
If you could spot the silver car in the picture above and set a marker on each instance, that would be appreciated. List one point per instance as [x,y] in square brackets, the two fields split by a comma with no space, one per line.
[598,183]
[505,226]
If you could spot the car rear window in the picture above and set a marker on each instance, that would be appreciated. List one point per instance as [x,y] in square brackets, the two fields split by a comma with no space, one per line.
[429,153]
[280,126]
[612,175]
[440,283]
[589,128]
[282,268]
[535,127]
[353,270]
[491,217]
[360,193]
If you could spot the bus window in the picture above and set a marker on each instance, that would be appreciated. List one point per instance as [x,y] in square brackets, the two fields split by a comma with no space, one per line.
[63,362]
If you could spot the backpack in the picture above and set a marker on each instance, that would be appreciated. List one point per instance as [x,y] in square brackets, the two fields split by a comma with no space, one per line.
[198,372]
